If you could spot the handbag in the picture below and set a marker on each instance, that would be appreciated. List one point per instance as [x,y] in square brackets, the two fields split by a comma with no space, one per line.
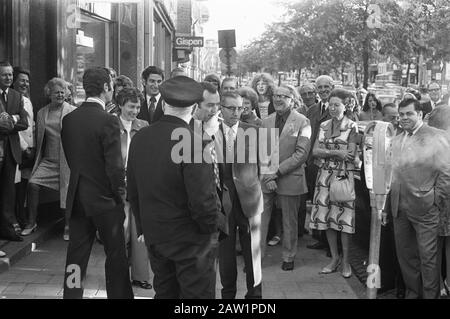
[342,188]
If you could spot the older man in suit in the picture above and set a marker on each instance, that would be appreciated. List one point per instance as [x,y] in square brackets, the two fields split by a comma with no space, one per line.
[238,156]
[13,118]
[421,183]
[174,199]
[317,114]
[289,182]
[91,142]
[153,105]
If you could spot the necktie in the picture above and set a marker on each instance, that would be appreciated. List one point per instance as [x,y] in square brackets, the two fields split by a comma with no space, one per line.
[230,142]
[151,109]
[3,104]
[216,166]
[279,124]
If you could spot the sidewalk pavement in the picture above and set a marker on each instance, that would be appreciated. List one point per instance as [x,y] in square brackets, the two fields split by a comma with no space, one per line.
[40,275]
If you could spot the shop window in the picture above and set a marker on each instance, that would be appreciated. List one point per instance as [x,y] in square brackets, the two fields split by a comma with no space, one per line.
[94,47]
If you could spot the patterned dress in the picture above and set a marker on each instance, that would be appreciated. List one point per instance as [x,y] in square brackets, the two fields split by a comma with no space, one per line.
[325,214]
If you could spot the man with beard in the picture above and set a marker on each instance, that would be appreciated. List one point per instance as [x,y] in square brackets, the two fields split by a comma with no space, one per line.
[420,186]
[317,114]
[153,105]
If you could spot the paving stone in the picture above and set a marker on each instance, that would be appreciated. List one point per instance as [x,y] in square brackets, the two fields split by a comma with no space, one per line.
[304,295]
[41,290]
[14,289]
[316,287]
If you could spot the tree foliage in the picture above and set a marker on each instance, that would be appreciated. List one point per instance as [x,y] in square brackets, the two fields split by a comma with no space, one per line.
[325,36]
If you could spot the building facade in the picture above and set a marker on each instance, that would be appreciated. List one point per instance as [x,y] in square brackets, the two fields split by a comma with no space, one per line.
[65,37]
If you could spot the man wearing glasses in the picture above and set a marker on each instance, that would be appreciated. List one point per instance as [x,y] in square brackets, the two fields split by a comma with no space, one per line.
[241,197]
[434,90]
[288,183]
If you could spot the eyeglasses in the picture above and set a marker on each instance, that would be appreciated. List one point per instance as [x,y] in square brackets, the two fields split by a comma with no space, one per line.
[234,108]
[434,90]
[308,93]
[281,96]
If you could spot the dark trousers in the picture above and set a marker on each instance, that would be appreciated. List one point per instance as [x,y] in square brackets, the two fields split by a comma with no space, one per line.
[21,211]
[7,187]
[184,270]
[249,238]
[416,243]
[82,235]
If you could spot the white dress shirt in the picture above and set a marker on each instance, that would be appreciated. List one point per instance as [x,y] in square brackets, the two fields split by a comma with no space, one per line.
[96,100]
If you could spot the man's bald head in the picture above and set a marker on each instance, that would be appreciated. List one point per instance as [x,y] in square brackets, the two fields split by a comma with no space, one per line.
[324,85]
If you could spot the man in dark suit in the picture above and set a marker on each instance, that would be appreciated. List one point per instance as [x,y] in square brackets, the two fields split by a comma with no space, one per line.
[173,196]
[152,108]
[242,197]
[91,141]
[205,122]
[317,114]
[13,118]
[420,186]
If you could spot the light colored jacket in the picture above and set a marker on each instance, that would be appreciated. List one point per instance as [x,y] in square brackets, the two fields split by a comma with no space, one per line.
[64,171]
[421,174]
[293,146]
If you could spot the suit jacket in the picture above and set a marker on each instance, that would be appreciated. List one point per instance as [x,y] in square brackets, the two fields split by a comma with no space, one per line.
[315,119]
[158,113]
[225,202]
[427,108]
[64,171]
[172,198]
[245,172]
[91,141]
[14,106]
[293,148]
[421,175]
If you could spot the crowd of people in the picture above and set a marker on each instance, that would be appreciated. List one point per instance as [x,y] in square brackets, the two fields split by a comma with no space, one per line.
[113,161]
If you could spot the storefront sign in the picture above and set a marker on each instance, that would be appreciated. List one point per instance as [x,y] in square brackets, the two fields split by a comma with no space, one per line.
[188,42]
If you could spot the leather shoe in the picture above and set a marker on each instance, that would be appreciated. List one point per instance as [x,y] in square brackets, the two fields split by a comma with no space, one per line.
[10,234]
[287,265]
[142,284]
[317,245]
[2,254]
[17,228]
[29,230]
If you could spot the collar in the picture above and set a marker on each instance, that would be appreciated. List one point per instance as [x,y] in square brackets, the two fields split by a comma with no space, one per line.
[285,115]
[6,91]
[226,128]
[157,97]
[96,100]
[415,130]
[324,105]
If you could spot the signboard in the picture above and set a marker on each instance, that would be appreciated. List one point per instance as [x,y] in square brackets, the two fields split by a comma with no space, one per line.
[227,38]
[233,68]
[232,55]
[186,42]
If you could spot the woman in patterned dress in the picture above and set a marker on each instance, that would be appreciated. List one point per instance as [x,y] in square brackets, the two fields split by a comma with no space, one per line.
[334,148]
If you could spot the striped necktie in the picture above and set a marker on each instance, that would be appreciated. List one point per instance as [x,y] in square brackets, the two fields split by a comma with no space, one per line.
[216,166]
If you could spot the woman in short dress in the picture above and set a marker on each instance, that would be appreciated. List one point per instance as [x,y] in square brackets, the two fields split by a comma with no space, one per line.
[50,169]
[334,148]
